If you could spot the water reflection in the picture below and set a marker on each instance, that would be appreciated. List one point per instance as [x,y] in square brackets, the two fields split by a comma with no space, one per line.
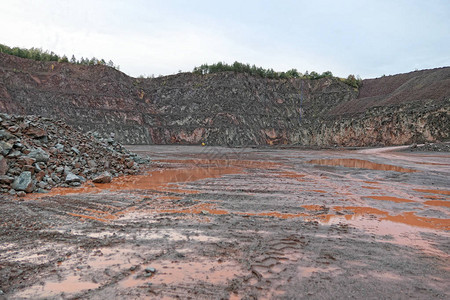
[359,164]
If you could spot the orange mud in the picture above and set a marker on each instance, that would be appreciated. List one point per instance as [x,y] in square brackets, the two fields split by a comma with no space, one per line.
[102,216]
[433,191]
[408,218]
[170,198]
[438,203]
[370,187]
[294,175]
[155,180]
[319,191]
[359,164]
[313,207]
[434,197]
[390,198]
[88,217]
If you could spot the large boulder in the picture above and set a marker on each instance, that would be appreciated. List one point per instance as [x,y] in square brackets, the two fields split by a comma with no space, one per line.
[36,132]
[72,178]
[5,147]
[39,155]
[105,177]
[24,182]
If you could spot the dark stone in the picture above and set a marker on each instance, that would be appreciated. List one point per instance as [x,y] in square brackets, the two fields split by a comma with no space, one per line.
[105,177]
[36,132]
[6,179]
[5,147]
[24,182]
[72,178]
[39,154]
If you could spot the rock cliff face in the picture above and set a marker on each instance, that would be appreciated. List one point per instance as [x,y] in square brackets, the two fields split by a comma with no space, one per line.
[228,108]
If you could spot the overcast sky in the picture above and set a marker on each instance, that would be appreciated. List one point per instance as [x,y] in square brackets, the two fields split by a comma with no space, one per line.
[362,37]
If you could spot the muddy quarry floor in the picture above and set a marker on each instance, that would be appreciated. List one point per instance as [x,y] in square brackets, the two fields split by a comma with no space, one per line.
[218,223]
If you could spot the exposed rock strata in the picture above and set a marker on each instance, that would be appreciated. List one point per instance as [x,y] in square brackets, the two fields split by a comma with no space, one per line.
[231,109]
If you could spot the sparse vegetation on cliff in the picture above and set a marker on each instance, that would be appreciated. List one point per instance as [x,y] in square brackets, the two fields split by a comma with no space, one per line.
[270,73]
[353,81]
[40,55]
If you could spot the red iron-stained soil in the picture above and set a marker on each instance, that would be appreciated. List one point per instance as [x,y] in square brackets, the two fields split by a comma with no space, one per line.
[274,224]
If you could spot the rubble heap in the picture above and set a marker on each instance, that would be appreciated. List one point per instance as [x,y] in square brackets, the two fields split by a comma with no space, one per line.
[38,153]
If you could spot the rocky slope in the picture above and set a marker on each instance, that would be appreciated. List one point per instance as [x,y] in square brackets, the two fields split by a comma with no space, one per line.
[37,154]
[231,109]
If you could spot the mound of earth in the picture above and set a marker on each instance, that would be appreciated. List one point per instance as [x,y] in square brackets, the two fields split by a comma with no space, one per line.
[38,153]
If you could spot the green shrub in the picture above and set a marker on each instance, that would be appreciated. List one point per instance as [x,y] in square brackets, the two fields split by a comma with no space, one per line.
[261,72]
[39,55]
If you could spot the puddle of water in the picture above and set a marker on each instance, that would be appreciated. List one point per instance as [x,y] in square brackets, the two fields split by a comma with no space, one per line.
[410,218]
[438,203]
[69,285]
[441,192]
[370,187]
[359,164]
[155,180]
[407,218]
[249,164]
[390,198]
[313,207]
[401,232]
[434,197]
[185,272]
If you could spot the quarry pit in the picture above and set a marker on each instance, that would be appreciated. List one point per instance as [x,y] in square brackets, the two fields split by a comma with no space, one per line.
[238,223]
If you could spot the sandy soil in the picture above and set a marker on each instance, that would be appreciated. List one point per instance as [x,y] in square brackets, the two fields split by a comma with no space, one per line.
[218,223]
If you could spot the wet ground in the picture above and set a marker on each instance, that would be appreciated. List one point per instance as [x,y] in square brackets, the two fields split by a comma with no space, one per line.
[218,223]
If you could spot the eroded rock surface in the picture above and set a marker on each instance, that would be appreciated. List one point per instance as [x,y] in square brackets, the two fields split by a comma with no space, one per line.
[229,108]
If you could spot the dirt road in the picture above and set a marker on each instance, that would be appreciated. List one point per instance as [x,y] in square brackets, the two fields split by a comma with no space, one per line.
[218,223]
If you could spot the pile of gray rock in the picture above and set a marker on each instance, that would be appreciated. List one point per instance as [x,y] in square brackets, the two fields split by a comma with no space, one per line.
[37,154]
